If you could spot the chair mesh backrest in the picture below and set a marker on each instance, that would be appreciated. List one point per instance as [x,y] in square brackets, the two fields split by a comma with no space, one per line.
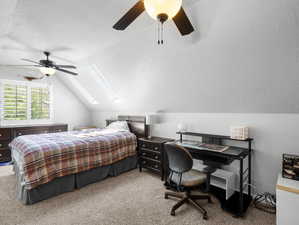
[179,159]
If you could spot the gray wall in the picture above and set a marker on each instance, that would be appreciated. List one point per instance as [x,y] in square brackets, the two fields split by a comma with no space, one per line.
[274,134]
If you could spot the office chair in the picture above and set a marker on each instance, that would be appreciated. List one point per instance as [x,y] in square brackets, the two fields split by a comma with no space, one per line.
[184,178]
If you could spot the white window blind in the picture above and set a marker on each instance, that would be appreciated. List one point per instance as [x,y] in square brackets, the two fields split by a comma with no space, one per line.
[25,102]
[14,102]
[40,103]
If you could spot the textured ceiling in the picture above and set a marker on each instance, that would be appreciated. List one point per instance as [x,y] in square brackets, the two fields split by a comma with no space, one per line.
[72,29]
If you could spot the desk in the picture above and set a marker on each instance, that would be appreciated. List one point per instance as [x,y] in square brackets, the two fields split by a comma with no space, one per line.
[226,158]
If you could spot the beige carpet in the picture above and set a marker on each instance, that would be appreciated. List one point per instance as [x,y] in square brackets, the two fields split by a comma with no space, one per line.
[132,198]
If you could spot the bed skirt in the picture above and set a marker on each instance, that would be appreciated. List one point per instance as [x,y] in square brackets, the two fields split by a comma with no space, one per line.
[71,182]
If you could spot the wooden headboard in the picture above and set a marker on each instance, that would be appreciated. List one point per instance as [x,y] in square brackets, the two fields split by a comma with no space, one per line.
[136,124]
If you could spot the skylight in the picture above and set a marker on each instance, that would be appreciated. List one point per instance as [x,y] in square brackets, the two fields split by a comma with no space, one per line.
[83,91]
[101,80]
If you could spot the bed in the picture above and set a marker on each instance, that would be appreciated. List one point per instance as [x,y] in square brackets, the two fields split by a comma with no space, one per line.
[47,165]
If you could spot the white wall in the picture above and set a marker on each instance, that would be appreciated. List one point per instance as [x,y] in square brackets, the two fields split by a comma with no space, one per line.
[274,134]
[67,108]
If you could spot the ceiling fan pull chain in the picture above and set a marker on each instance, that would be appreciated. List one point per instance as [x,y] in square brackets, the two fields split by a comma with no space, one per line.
[158,33]
[162,34]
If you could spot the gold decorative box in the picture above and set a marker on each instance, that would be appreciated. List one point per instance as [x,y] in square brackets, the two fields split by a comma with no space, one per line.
[290,166]
[239,132]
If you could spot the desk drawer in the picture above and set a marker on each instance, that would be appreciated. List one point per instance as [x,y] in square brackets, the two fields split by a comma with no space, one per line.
[150,164]
[5,155]
[150,154]
[4,134]
[151,146]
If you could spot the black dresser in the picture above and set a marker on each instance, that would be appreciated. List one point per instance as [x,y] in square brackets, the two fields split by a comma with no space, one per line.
[151,154]
[8,133]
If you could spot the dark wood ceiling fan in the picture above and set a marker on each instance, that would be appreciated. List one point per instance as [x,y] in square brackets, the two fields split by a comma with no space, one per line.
[46,66]
[46,63]
[161,11]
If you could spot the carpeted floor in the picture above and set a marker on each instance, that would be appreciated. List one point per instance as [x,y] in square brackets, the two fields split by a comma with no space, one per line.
[132,198]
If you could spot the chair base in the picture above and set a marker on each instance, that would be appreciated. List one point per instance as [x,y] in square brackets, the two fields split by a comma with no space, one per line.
[187,197]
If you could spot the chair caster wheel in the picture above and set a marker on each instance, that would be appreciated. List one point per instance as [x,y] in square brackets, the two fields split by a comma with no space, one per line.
[172,213]
[205,217]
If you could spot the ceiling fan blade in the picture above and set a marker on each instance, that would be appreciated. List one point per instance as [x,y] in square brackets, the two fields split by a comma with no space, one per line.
[183,23]
[66,66]
[65,71]
[130,16]
[28,60]
[33,78]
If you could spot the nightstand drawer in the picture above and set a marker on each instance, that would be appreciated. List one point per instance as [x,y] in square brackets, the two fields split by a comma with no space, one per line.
[150,164]
[150,154]
[5,155]
[151,146]
[4,134]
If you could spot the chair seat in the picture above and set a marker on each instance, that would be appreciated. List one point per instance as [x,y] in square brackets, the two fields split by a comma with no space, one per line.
[190,178]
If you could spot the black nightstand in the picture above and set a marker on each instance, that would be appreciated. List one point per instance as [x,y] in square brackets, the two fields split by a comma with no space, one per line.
[151,154]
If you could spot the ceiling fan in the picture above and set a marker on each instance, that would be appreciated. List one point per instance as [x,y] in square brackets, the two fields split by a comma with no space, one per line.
[46,67]
[161,10]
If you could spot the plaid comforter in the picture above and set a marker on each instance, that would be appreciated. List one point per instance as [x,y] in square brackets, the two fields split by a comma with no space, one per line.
[44,157]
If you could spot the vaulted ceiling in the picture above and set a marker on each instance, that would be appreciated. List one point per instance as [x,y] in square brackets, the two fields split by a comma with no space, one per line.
[72,29]
[240,56]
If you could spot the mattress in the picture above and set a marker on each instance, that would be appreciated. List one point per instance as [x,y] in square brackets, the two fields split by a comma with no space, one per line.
[41,158]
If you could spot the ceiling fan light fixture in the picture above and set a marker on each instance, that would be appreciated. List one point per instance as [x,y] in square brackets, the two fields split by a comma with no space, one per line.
[48,71]
[157,7]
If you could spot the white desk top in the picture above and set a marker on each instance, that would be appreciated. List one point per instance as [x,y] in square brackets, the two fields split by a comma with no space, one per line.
[287,184]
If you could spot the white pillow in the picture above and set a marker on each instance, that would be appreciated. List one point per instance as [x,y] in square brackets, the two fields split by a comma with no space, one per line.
[119,126]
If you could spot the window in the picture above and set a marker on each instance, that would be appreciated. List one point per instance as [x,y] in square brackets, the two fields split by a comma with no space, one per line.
[23,102]
[15,102]
[40,103]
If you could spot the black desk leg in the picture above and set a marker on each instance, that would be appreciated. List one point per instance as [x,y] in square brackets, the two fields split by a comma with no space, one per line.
[249,169]
[139,164]
[241,189]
